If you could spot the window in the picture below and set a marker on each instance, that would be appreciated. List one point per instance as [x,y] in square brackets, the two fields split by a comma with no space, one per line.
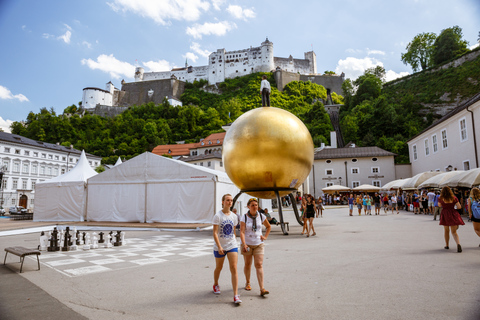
[427,150]
[35,154]
[55,171]
[34,169]
[27,153]
[355,184]
[16,167]
[64,158]
[328,161]
[71,159]
[376,183]
[57,157]
[4,183]
[42,170]
[221,163]
[463,130]
[329,184]
[329,172]
[354,160]
[17,151]
[355,170]
[90,162]
[7,150]
[31,201]
[434,143]
[25,168]
[414,150]
[375,170]
[63,171]
[13,201]
[44,155]
[444,139]
[33,185]
[466,165]
[24,184]
[374,159]
[209,164]
[15,184]
[49,171]
[201,163]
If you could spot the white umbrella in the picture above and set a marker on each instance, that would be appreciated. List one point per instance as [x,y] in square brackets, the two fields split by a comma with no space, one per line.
[366,187]
[394,185]
[465,179]
[436,181]
[416,180]
[336,188]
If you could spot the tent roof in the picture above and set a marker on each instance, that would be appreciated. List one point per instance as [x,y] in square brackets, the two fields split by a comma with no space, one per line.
[81,172]
[149,167]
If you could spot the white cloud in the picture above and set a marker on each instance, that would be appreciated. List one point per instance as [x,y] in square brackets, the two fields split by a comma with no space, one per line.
[392,75]
[474,46]
[354,68]
[109,64]
[163,10]
[196,48]
[47,36]
[157,66]
[5,125]
[369,52]
[67,35]
[208,28]
[217,3]
[240,13]
[7,95]
[190,56]
[87,44]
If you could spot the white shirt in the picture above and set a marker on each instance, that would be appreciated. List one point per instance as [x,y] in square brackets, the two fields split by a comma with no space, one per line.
[394,199]
[226,230]
[265,84]
[252,238]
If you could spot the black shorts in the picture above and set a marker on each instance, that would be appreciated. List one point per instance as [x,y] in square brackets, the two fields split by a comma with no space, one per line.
[310,215]
[475,219]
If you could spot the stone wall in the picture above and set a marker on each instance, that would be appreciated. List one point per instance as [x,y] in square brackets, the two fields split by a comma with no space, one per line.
[136,93]
[107,111]
[334,83]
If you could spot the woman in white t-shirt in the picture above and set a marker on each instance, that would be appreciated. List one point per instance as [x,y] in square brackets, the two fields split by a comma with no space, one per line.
[394,203]
[252,245]
[224,223]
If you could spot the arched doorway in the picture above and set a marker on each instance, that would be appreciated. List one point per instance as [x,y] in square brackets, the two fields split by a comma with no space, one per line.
[23,201]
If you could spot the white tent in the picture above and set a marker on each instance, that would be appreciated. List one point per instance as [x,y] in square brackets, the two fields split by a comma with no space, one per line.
[119,162]
[63,198]
[152,188]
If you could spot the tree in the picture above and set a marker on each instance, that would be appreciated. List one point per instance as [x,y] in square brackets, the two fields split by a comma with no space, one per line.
[449,45]
[419,51]
[378,71]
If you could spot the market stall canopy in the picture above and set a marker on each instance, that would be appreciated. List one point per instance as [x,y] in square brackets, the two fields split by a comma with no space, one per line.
[416,180]
[395,184]
[366,187]
[436,181]
[336,188]
[466,179]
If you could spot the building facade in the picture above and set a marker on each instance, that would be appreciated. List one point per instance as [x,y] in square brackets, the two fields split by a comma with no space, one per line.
[25,162]
[351,166]
[450,143]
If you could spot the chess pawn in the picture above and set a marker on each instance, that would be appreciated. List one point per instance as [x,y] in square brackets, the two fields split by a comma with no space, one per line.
[60,238]
[73,246]
[94,241]
[123,238]
[108,243]
[86,246]
[101,238]
[43,242]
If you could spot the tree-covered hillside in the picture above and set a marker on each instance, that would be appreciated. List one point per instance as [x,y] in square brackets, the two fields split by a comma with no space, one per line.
[141,128]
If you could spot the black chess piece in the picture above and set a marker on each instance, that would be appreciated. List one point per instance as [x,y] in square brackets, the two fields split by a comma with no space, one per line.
[77,242]
[66,246]
[83,237]
[118,241]
[101,238]
[55,239]
[51,247]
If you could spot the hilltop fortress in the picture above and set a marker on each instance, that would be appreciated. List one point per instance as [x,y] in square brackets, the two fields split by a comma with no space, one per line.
[222,64]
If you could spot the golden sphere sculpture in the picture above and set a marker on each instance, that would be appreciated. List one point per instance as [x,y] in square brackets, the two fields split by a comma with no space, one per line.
[267,149]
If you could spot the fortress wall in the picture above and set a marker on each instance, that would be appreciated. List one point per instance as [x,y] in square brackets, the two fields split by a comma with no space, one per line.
[282,78]
[334,83]
[136,93]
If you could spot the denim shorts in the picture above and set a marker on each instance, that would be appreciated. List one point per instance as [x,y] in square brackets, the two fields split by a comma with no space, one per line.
[218,255]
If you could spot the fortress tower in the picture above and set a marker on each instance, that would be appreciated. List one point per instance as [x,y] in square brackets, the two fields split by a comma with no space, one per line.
[267,64]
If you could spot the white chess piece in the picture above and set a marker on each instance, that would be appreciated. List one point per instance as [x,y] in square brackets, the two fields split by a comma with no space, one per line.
[94,241]
[43,242]
[108,242]
[122,234]
[61,238]
[86,246]
[74,240]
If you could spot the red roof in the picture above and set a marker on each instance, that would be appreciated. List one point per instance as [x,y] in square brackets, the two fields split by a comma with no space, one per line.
[213,138]
[174,149]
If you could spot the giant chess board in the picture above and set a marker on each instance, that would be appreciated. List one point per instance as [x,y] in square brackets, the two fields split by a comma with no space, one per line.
[135,253]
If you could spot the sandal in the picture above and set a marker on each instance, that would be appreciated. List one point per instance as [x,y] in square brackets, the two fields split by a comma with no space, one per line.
[314,234]
[263,292]
[248,287]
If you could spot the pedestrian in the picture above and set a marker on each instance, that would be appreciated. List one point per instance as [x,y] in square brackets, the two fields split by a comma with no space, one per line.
[394,203]
[304,215]
[416,203]
[265,91]
[310,214]
[320,207]
[450,219]
[270,219]
[385,203]
[225,244]
[376,201]
[425,203]
[431,201]
[474,209]
[369,204]
[364,203]
[253,246]
[351,201]
[359,204]
[437,209]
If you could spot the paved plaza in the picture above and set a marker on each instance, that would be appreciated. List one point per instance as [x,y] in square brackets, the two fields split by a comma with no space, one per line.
[359,267]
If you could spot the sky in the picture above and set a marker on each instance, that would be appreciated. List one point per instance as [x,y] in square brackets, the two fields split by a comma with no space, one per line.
[51,49]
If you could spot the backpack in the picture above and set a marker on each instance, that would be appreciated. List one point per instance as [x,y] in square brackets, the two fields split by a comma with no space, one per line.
[475,209]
